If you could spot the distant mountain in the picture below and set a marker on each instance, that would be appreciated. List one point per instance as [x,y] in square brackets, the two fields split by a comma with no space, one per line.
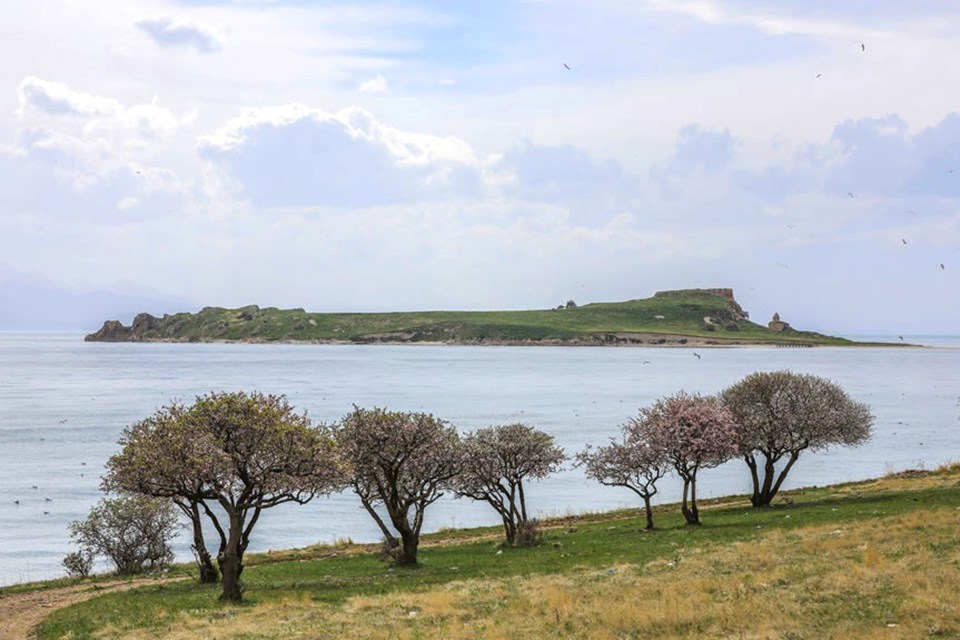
[29,302]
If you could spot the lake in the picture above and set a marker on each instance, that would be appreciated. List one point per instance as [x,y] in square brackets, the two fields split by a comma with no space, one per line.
[64,402]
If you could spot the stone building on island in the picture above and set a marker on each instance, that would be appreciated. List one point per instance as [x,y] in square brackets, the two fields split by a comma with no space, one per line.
[777,325]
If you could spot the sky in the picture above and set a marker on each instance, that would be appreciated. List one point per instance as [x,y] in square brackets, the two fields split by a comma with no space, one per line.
[370,156]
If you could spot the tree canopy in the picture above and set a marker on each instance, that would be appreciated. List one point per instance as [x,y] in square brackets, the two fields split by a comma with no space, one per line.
[402,462]
[780,414]
[495,462]
[231,455]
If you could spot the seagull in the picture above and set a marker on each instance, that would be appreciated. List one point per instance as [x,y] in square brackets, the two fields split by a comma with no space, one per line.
[16,502]
[780,264]
[863,47]
[851,194]
[64,421]
[46,513]
[819,75]
[943,268]
[903,240]
[901,340]
[47,500]
[566,66]
[696,354]
[34,487]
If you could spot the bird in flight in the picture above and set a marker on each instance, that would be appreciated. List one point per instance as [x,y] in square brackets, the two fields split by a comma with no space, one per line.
[697,355]
[819,75]
[851,194]
[566,66]
[903,240]
[780,264]
[863,47]
[901,338]
[943,268]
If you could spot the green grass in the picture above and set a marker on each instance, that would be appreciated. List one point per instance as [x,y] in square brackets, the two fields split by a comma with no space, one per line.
[576,543]
[678,314]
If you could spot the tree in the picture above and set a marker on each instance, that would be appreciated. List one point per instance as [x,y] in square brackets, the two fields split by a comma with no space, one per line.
[161,459]
[632,463]
[133,531]
[692,433]
[402,462]
[240,452]
[495,462]
[571,304]
[780,414]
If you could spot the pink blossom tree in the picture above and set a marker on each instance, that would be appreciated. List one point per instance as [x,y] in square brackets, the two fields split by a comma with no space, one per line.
[692,433]
[496,461]
[401,462]
[240,452]
[632,463]
[780,414]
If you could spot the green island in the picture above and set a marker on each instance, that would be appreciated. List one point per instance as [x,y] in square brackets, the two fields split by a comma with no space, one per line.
[871,559]
[688,317]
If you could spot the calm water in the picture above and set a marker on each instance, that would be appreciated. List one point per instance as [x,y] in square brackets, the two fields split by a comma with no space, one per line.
[63,403]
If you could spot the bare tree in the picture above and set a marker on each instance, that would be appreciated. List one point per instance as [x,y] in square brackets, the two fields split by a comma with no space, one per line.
[780,414]
[693,433]
[402,462]
[630,463]
[240,452]
[496,460]
[133,531]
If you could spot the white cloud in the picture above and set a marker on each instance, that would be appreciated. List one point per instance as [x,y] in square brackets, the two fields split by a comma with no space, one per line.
[377,84]
[56,98]
[294,155]
[167,32]
[713,12]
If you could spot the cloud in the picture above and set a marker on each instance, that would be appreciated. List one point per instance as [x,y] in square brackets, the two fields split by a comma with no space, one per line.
[57,98]
[699,150]
[592,190]
[167,32]
[881,156]
[376,84]
[719,13]
[296,156]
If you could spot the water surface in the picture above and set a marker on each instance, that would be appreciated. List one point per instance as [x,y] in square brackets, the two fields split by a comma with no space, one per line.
[64,402]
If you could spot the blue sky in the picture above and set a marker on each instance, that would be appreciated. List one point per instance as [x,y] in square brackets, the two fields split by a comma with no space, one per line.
[388,155]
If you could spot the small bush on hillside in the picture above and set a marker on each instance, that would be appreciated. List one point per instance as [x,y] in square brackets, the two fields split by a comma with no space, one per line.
[132,531]
[78,563]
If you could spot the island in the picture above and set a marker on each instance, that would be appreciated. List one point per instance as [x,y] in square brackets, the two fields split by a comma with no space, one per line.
[686,317]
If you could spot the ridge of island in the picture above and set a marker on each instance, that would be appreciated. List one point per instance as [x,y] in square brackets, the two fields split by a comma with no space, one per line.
[686,317]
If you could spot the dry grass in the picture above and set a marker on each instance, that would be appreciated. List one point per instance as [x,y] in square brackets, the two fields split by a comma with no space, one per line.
[893,577]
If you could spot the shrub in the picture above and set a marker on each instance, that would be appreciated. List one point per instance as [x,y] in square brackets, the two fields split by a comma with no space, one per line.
[133,531]
[78,563]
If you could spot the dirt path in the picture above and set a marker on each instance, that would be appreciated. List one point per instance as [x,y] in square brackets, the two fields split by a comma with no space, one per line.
[21,612]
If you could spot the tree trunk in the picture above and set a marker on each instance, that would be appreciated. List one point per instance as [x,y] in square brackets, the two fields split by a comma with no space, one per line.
[407,553]
[755,499]
[510,529]
[690,512]
[649,510]
[231,562]
[208,572]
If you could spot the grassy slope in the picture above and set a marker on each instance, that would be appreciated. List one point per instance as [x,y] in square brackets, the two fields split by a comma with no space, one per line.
[683,315]
[842,561]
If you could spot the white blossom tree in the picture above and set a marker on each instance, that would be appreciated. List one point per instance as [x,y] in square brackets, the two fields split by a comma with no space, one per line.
[780,414]
[401,462]
[496,460]
[692,433]
[631,463]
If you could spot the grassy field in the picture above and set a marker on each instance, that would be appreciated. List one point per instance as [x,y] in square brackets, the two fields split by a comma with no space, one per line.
[878,559]
[677,314]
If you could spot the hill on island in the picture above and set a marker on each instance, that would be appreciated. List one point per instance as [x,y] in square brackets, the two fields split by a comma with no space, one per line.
[683,317]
